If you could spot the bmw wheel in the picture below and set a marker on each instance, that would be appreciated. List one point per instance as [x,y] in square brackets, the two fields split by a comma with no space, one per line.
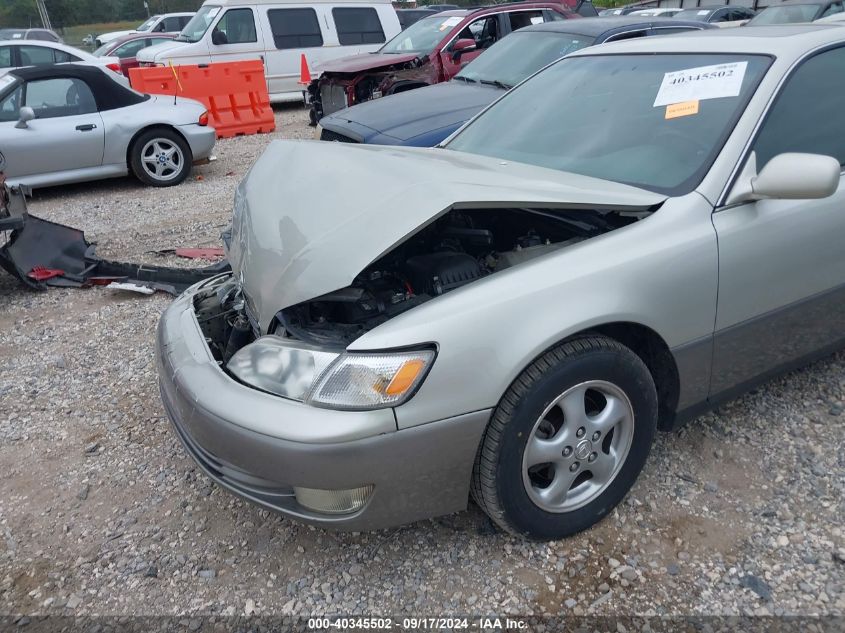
[160,158]
[568,439]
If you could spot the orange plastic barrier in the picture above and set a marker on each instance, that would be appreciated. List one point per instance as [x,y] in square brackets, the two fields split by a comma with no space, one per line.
[235,93]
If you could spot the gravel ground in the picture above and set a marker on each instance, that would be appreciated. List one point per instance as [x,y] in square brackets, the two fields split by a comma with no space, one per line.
[101,512]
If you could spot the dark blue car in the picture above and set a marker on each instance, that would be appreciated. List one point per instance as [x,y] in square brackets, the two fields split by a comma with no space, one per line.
[426,116]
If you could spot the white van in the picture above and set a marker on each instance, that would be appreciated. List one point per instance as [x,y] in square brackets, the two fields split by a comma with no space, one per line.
[278,32]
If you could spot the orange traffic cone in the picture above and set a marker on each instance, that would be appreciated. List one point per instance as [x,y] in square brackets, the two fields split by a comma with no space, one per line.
[304,73]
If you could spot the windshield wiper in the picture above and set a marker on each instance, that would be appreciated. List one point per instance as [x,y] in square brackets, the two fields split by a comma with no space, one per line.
[496,82]
[466,79]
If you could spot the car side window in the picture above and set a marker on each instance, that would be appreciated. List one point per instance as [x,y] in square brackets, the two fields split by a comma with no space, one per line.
[357,25]
[60,57]
[183,21]
[59,97]
[36,55]
[5,56]
[170,25]
[295,28]
[130,48]
[521,19]
[833,9]
[485,32]
[807,114]
[237,26]
[10,106]
[552,16]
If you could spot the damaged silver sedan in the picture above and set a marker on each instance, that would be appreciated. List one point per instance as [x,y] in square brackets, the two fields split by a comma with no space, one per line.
[636,233]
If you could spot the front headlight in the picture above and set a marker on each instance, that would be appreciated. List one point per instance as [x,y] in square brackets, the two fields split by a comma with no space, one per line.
[272,364]
[349,381]
[371,381]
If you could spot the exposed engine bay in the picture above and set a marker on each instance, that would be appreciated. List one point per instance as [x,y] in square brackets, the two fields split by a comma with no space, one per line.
[459,248]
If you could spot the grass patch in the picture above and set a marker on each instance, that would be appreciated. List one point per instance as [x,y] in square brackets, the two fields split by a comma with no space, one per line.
[74,35]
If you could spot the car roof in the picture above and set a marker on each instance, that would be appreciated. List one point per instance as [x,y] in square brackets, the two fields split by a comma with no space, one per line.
[45,44]
[787,41]
[799,2]
[598,25]
[246,3]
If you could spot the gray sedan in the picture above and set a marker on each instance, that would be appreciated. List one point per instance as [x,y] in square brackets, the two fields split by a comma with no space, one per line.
[71,123]
[514,315]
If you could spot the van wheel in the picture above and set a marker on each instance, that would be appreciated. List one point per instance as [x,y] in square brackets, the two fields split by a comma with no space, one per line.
[567,440]
[161,158]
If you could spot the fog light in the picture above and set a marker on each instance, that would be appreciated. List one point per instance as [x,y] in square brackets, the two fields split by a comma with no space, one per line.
[333,501]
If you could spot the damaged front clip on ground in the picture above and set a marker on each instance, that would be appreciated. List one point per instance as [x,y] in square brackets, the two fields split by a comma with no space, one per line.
[41,253]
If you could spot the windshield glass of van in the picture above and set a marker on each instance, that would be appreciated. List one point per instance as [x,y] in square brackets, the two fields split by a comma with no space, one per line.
[146,26]
[422,36]
[521,54]
[196,28]
[651,121]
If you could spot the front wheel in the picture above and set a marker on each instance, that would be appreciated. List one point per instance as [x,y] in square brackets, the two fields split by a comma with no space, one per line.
[160,158]
[568,439]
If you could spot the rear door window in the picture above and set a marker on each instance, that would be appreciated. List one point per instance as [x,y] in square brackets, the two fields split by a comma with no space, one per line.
[171,25]
[521,19]
[5,56]
[357,25]
[61,57]
[295,28]
[35,55]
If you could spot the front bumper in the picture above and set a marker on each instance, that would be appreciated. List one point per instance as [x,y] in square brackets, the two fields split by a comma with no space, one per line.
[201,139]
[261,446]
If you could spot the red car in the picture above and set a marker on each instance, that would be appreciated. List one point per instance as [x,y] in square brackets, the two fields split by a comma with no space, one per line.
[125,48]
[429,51]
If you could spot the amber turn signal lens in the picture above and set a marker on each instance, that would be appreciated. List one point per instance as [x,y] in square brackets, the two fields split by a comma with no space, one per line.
[405,377]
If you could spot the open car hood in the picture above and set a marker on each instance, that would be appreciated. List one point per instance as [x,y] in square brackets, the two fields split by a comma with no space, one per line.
[367,61]
[295,238]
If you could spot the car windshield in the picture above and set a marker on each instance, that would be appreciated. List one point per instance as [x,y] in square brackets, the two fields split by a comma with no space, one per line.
[652,121]
[422,36]
[787,14]
[694,14]
[146,26]
[103,50]
[520,55]
[196,28]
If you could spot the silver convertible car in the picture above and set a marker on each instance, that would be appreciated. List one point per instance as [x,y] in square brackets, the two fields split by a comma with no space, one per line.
[632,235]
[73,122]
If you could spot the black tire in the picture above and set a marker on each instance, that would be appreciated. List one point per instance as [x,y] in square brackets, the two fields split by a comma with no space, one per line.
[497,478]
[168,138]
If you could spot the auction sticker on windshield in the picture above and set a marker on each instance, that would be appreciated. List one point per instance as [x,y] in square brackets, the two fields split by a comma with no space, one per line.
[704,82]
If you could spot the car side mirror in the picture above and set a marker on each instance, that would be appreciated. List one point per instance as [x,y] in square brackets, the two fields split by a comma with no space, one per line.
[219,38]
[461,46]
[789,176]
[25,115]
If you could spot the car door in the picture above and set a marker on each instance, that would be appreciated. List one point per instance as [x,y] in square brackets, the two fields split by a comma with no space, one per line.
[235,36]
[782,262]
[67,132]
[291,32]
[486,31]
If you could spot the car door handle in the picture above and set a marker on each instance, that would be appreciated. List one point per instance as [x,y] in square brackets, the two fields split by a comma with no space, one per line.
[86,128]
